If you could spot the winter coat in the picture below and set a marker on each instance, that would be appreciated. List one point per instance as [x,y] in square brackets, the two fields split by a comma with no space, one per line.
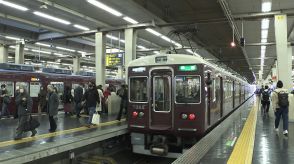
[53,103]
[92,97]
[23,107]
[78,94]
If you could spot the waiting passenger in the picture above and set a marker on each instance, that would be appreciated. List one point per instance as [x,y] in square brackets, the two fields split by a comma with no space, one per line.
[106,95]
[78,95]
[123,94]
[42,100]
[5,103]
[101,107]
[92,99]
[24,105]
[265,100]
[67,99]
[52,107]
[281,107]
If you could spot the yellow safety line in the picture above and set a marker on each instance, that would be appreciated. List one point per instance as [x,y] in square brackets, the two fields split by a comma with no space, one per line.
[57,133]
[243,150]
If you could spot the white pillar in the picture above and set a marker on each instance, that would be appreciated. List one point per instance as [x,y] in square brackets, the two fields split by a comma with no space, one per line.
[76,64]
[130,48]
[284,66]
[3,54]
[120,72]
[19,54]
[100,51]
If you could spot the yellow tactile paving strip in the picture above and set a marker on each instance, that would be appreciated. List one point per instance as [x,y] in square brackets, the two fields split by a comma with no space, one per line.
[243,150]
[57,133]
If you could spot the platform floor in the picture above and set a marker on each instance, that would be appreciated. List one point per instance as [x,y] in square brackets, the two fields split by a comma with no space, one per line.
[223,148]
[271,146]
[69,128]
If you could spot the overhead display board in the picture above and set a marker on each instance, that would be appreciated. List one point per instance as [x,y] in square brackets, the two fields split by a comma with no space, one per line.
[113,60]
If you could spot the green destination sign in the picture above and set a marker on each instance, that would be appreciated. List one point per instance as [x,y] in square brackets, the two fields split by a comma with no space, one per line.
[188,68]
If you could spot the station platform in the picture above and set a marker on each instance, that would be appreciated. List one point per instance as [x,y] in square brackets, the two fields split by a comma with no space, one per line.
[71,134]
[251,138]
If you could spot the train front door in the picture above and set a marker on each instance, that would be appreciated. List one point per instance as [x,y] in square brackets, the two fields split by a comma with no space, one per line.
[161,110]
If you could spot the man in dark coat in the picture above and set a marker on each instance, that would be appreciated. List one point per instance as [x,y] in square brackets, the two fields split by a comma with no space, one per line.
[92,99]
[78,95]
[123,94]
[24,104]
[52,107]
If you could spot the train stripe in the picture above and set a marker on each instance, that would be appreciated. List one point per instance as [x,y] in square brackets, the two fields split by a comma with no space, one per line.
[58,133]
[243,150]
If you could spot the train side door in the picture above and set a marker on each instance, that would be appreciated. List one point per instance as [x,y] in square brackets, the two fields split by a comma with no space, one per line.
[161,111]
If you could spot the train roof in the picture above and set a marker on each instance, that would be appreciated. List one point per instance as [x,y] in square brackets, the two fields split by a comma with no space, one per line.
[177,59]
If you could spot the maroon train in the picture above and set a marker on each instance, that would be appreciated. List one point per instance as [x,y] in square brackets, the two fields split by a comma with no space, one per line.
[13,75]
[175,99]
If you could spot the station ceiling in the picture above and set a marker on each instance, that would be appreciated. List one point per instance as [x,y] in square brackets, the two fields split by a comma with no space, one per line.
[201,26]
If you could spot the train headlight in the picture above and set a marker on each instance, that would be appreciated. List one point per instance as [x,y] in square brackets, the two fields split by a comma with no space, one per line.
[184,116]
[135,114]
[192,116]
[141,114]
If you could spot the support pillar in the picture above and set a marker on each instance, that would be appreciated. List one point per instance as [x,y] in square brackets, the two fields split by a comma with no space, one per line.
[3,54]
[120,72]
[100,51]
[284,53]
[76,64]
[19,54]
[130,48]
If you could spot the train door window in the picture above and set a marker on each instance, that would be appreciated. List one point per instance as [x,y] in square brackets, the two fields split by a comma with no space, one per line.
[9,86]
[138,89]
[161,93]
[217,88]
[59,87]
[25,84]
[34,89]
[214,90]
[188,89]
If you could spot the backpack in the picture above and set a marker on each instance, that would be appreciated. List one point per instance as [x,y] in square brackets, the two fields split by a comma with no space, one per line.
[265,96]
[283,99]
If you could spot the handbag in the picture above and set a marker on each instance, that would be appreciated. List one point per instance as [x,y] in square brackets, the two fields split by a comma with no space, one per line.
[96,118]
[31,124]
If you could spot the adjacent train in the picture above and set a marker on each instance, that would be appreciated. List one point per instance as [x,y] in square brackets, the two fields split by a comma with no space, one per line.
[13,75]
[174,99]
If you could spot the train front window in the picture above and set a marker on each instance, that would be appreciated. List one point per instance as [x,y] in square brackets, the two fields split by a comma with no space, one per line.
[138,89]
[161,93]
[188,89]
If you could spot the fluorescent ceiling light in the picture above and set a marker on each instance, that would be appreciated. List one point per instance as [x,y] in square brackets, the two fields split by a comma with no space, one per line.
[111,37]
[10,57]
[81,27]
[165,38]
[265,24]
[177,44]
[42,44]
[123,41]
[44,52]
[130,20]
[58,54]
[81,52]
[12,38]
[142,47]
[112,50]
[13,47]
[51,17]
[13,5]
[26,49]
[266,6]
[264,40]
[153,32]
[190,51]
[264,34]
[66,49]
[156,52]
[105,7]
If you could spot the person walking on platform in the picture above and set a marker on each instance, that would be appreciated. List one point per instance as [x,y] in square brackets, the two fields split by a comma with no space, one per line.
[67,99]
[123,94]
[281,107]
[92,99]
[5,102]
[52,107]
[42,100]
[265,100]
[101,107]
[78,95]
[24,105]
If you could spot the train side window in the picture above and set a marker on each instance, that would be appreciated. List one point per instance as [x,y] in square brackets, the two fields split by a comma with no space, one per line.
[188,89]
[60,88]
[34,89]
[9,85]
[25,84]
[138,89]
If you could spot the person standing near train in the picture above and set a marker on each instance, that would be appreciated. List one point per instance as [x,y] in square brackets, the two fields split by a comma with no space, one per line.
[67,99]
[42,100]
[52,107]
[78,95]
[123,94]
[24,105]
[5,103]
[92,99]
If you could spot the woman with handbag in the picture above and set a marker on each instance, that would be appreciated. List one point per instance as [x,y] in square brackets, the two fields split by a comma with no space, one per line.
[24,106]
